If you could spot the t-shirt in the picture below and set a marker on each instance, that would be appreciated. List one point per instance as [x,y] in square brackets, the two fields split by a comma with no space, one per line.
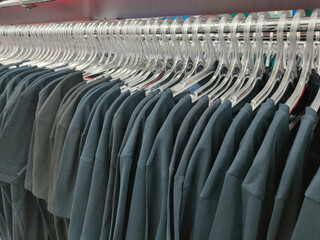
[128,159]
[200,163]
[12,84]
[17,134]
[118,130]
[63,119]
[136,229]
[83,180]
[228,217]
[44,123]
[98,188]
[69,160]
[294,181]
[182,167]
[210,193]
[261,182]
[181,141]
[157,170]
[307,226]
[28,82]
[43,95]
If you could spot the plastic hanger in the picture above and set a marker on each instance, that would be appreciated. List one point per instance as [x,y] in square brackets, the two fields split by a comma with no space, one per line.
[247,59]
[125,68]
[235,64]
[208,68]
[149,59]
[223,65]
[307,61]
[316,102]
[168,51]
[157,57]
[291,65]
[277,71]
[187,67]
[258,69]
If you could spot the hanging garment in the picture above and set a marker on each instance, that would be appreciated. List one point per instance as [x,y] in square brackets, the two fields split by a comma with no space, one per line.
[182,167]
[84,174]
[211,191]
[227,222]
[120,122]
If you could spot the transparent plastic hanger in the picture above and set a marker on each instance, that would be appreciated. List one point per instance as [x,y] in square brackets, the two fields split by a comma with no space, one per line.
[208,68]
[182,66]
[125,68]
[111,50]
[316,102]
[19,40]
[120,58]
[103,45]
[223,65]
[278,70]
[92,47]
[9,35]
[84,53]
[154,68]
[190,68]
[53,47]
[95,69]
[40,46]
[45,52]
[64,43]
[166,57]
[150,50]
[258,69]
[13,54]
[235,65]
[307,61]
[135,50]
[168,53]
[291,65]
[59,47]
[180,62]
[247,59]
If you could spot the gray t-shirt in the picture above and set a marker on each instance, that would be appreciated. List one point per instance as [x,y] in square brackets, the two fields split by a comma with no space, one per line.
[128,159]
[43,95]
[17,134]
[157,170]
[261,182]
[227,222]
[182,167]
[87,158]
[210,193]
[307,226]
[137,229]
[200,164]
[44,123]
[69,160]
[181,141]
[293,183]
[117,133]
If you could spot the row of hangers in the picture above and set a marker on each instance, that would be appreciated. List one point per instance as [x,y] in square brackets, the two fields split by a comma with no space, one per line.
[177,53]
